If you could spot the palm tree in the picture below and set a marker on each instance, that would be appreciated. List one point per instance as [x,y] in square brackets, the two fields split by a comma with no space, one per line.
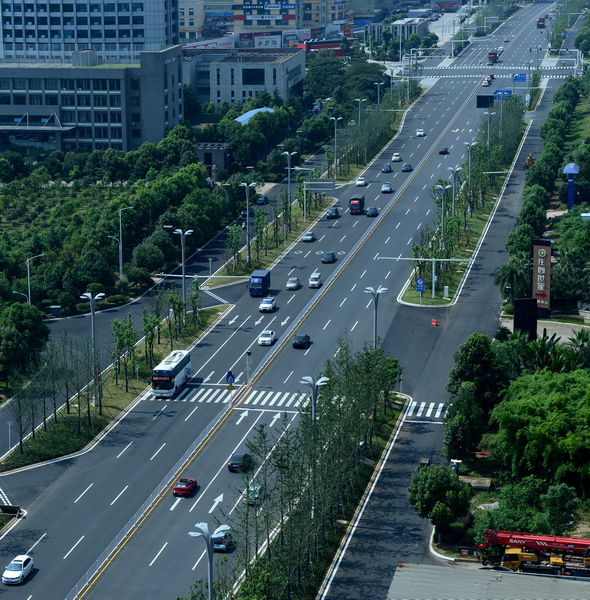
[515,275]
[580,344]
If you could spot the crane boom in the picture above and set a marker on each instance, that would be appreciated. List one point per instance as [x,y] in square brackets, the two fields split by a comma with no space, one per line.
[494,537]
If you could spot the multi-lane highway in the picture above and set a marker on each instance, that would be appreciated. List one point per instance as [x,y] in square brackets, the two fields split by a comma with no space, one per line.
[76,507]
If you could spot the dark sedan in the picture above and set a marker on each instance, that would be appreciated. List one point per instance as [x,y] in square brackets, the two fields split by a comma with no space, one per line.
[328,257]
[333,213]
[386,168]
[372,211]
[301,341]
[241,461]
[443,150]
[407,167]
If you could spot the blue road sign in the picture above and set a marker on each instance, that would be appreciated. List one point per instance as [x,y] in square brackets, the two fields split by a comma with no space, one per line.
[519,77]
[230,377]
[498,93]
[420,285]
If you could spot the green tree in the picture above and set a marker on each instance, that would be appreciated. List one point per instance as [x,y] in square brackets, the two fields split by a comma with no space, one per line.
[125,336]
[439,495]
[516,275]
[27,320]
[148,256]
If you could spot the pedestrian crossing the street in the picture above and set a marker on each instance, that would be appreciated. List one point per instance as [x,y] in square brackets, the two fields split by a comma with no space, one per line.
[219,395]
[420,411]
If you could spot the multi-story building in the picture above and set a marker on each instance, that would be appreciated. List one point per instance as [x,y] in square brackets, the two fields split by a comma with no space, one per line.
[48,106]
[192,19]
[252,16]
[58,28]
[319,13]
[237,74]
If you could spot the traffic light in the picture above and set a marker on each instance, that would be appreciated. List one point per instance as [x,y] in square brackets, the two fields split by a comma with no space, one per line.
[567,51]
[530,49]
[540,49]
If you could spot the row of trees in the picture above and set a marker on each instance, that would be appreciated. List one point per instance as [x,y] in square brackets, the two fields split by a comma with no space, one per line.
[308,475]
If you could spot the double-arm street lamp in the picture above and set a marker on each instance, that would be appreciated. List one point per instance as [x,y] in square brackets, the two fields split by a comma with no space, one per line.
[121,242]
[92,301]
[378,92]
[454,171]
[336,145]
[469,148]
[183,235]
[360,104]
[248,186]
[28,261]
[443,189]
[314,387]
[375,294]
[203,531]
[289,155]
[489,116]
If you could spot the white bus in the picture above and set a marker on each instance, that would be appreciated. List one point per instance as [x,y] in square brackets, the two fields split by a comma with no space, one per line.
[172,373]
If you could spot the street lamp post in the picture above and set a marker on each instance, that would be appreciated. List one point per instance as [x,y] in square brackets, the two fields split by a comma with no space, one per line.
[314,387]
[391,83]
[469,147]
[360,104]
[489,116]
[375,294]
[443,189]
[183,235]
[21,294]
[378,92]
[28,261]
[121,244]
[336,145]
[91,300]
[203,531]
[248,186]
[454,171]
[289,155]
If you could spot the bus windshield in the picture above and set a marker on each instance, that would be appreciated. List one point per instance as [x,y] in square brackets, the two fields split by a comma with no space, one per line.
[162,380]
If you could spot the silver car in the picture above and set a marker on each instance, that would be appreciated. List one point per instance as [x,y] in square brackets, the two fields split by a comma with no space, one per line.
[293,283]
[315,280]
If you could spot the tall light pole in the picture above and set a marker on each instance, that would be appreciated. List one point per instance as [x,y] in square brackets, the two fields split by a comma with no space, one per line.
[21,294]
[91,300]
[378,92]
[443,189]
[336,145]
[375,294]
[28,261]
[391,83]
[248,186]
[360,104]
[203,531]
[183,235]
[289,155]
[454,171]
[469,148]
[314,387]
[489,116]
[121,243]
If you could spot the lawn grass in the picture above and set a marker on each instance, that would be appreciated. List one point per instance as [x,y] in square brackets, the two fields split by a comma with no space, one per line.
[63,438]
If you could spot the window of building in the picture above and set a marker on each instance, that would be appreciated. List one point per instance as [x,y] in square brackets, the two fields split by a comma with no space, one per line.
[81,20]
[136,133]
[233,96]
[84,117]
[35,84]
[191,12]
[137,20]
[68,84]
[191,23]
[101,133]
[232,76]
[20,99]
[83,100]
[115,117]
[110,21]
[124,33]
[110,33]
[82,33]
[6,7]
[68,117]
[55,34]
[95,20]
[55,20]
[244,94]
[4,98]
[29,20]
[166,115]
[18,33]
[85,132]
[30,33]
[115,101]
[137,6]
[100,101]
[115,85]
[124,7]
[19,84]
[110,7]
[218,95]
[51,100]
[116,133]
[274,77]
[101,117]
[29,8]
[5,84]
[68,33]
[166,100]
[134,100]
[52,84]
[218,76]
[124,20]
[252,76]
[35,99]
[81,8]
[95,8]
[83,85]
[95,35]
[17,7]
[55,8]
[138,33]
[134,84]
[42,21]
[41,8]
[118,147]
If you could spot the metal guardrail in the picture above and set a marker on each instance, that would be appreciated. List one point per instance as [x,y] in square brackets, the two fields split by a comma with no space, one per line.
[142,511]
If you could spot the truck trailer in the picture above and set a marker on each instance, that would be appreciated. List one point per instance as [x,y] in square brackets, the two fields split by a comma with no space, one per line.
[541,23]
[259,283]
[541,554]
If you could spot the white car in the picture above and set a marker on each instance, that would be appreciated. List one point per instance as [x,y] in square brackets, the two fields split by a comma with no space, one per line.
[386,188]
[420,133]
[254,495]
[315,280]
[267,338]
[18,570]
[396,157]
[485,83]
[501,49]
[360,182]
[267,305]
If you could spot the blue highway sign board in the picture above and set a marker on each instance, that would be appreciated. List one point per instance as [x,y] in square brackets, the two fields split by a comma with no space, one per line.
[519,76]
[420,285]
[498,93]
[230,377]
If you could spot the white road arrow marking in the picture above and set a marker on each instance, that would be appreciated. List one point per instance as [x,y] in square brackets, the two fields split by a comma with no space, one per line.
[275,419]
[259,321]
[216,503]
[208,377]
[233,320]
[242,417]
[283,323]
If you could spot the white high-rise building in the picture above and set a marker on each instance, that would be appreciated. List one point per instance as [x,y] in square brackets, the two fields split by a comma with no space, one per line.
[39,30]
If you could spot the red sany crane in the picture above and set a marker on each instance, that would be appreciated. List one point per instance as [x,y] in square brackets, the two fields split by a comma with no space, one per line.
[534,553]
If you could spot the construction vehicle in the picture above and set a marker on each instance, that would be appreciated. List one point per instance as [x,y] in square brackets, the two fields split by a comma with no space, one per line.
[530,161]
[541,554]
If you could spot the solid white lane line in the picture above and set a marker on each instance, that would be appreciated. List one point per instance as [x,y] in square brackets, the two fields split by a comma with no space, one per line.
[175,503]
[342,239]
[376,255]
[327,324]
[80,496]
[352,328]
[363,274]
[191,414]
[159,412]
[352,289]
[398,224]
[156,454]
[291,373]
[387,239]
[29,550]
[407,211]
[419,226]
[122,491]
[155,557]
[200,559]
[343,301]
[127,446]
[388,274]
[72,548]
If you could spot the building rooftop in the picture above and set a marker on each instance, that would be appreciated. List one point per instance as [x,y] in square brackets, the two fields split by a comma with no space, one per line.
[263,55]
[243,119]
[458,581]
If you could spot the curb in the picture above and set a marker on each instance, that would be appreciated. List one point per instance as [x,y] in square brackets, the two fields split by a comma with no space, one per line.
[437,554]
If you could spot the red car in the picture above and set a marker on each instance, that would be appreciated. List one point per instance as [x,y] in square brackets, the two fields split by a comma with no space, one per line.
[443,150]
[184,487]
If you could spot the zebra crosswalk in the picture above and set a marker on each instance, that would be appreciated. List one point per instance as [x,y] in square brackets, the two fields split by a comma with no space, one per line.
[215,395]
[425,410]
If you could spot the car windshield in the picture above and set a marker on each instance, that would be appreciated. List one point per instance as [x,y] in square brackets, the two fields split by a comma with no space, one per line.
[299,338]
[162,381]
[293,280]
[219,540]
[14,567]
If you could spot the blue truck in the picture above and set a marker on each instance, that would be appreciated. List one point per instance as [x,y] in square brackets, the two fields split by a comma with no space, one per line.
[259,283]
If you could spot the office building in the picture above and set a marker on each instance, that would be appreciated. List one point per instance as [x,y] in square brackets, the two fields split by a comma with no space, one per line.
[89,103]
[191,19]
